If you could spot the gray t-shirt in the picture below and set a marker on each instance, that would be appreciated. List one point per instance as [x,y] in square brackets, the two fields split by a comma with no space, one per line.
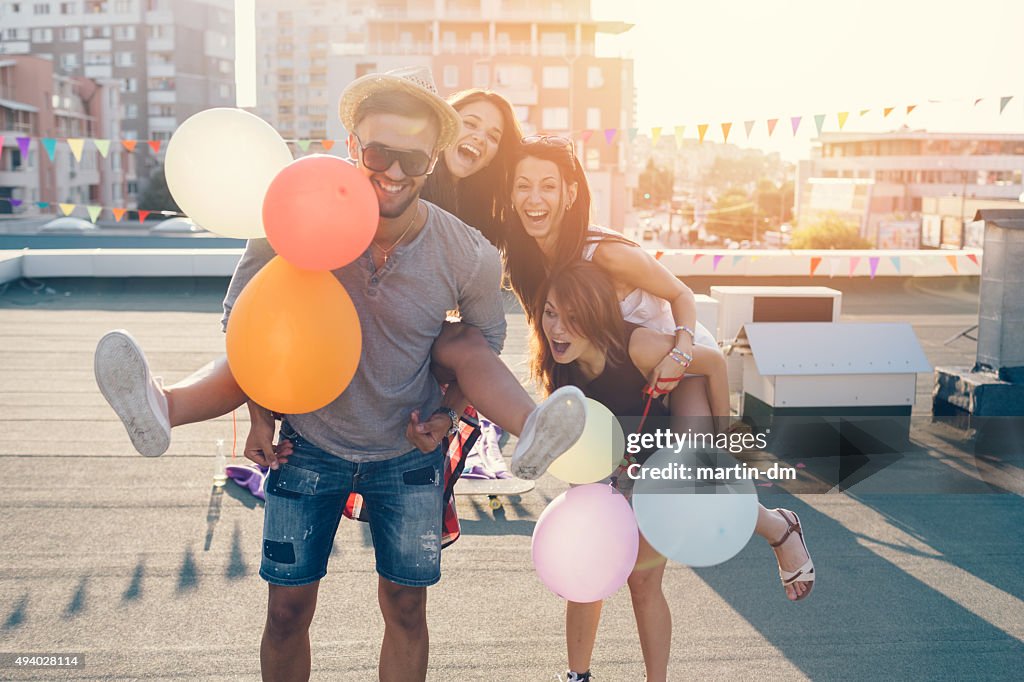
[401,308]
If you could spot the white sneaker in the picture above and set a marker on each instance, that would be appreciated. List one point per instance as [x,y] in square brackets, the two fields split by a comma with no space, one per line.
[551,429]
[137,397]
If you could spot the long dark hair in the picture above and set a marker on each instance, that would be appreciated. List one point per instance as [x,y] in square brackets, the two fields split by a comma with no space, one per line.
[480,199]
[588,302]
[525,263]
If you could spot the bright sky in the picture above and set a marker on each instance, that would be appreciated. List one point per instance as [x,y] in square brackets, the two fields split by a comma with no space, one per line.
[712,62]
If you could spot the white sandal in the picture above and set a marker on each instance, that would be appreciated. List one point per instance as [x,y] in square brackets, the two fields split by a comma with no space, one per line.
[804,574]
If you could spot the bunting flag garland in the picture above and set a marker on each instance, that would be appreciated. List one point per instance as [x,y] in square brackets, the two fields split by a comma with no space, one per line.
[1,141]
[854,262]
[771,125]
[815,262]
[702,130]
[979,101]
[819,120]
[953,264]
[609,135]
[697,257]
[143,215]
[726,127]
[154,145]
[586,135]
[749,125]
[658,255]
[973,258]
[873,263]
[655,136]
[67,208]
[50,145]
[16,202]
[304,144]
[76,144]
[102,146]
[632,133]
[795,120]
[327,145]
[94,212]
[736,260]
[715,261]
[118,213]
[23,143]
[864,112]
[910,108]
[895,262]
[842,118]
[129,144]
[1003,101]
[680,131]
[886,111]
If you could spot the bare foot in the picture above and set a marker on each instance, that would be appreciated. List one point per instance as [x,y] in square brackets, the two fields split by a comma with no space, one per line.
[791,556]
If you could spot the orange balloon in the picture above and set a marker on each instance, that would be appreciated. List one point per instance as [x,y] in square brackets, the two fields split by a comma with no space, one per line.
[320,212]
[293,338]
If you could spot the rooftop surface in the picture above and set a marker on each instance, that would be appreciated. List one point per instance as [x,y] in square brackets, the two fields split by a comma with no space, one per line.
[139,565]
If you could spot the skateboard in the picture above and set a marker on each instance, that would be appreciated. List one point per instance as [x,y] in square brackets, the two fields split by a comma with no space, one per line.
[493,488]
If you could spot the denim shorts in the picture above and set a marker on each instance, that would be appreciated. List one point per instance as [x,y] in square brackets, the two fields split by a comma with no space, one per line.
[306,497]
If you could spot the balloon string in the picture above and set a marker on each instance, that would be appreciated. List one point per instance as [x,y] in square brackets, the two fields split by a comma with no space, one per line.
[234,434]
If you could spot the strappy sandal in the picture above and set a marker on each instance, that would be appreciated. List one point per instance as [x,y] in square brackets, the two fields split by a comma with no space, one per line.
[804,574]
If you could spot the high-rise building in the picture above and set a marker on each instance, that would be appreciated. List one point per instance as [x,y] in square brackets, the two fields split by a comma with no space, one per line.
[539,55]
[171,58]
[36,103]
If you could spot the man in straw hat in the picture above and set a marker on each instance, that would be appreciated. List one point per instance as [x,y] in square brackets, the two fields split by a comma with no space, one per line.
[423,262]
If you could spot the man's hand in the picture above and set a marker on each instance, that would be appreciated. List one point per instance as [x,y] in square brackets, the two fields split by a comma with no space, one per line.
[427,435]
[259,444]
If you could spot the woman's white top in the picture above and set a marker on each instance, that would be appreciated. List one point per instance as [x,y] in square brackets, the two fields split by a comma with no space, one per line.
[644,308]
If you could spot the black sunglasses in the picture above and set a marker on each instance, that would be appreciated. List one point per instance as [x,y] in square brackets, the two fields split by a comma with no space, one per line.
[379,158]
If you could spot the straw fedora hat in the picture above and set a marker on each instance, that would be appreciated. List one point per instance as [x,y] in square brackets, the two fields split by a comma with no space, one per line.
[414,80]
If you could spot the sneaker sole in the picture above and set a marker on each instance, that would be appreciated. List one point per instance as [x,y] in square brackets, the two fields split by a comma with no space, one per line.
[120,368]
[557,429]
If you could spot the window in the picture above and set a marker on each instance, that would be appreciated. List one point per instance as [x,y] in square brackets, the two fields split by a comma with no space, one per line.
[593,118]
[513,75]
[124,33]
[476,41]
[481,76]
[96,31]
[555,118]
[95,6]
[224,90]
[41,8]
[451,76]
[161,110]
[124,6]
[131,111]
[504,43]
[98,58]
[68,8]
[556,77]
[593,158]
[15,8]
[71,35]
[42,35]
[595,77]
[448,40]
[16,34]
[554,44]
[69,61]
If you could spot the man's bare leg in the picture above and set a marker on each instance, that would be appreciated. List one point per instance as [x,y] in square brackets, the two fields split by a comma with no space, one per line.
[284,651]
[406,645]
[208,393]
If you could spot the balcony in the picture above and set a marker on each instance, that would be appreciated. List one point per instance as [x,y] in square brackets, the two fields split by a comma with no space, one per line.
[160,70]
[98,71]
[160,45]
[162,97]
[19,178]
[519,95]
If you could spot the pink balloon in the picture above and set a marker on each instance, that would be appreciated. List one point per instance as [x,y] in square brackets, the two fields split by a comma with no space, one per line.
[585,543]
[320,213]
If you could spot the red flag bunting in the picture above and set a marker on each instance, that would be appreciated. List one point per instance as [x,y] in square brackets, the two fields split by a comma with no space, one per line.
[118,213]
[973,258]
[910,107]
[155,146]
[815,262]
[143,215]
[697,257]
[586,135]
[771,125]
[327,144]
[658,255]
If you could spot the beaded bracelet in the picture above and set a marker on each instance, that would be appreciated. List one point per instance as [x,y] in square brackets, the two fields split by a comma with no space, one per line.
[681,357]
[688,330]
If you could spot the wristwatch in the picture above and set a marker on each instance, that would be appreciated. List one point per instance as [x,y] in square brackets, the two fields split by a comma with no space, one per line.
[450,413]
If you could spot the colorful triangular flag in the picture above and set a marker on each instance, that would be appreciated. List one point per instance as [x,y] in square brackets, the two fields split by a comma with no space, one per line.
[328,145]
[864,112]
[815,262]
[658,255]
[819,120]
[702,130]
[979,101]
[749,125]
[771,125]
[1,141]
[953,264]
[586,135]
[76,144]
[973,258]
[842,115]
[50,145]
[43,204]
[16,202]
[655,136]
[895,260]
[715,261]
[94,212]
[304,144]
[911,107]
[154,145]
[795,120]
[67,209]
[1003,101]
[697,257]
[873,263]
[118,213]
[736,260]
[143,215]
[609,135]
[854,262]
[632,133]
[23,143]
[680,131]
[102,146]
[886,111]
[129,144]
[726,127]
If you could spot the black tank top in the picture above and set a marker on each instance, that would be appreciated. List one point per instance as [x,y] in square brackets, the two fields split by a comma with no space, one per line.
[620,386]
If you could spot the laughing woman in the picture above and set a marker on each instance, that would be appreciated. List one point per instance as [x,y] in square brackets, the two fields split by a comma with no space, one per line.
[579,338]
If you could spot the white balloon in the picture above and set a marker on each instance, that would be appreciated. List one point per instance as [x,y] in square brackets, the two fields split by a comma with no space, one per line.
[219,164]
[697,523]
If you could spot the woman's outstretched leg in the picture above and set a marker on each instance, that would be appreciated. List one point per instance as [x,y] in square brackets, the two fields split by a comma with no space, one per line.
[653,618]
[581,621]
[545,431]
[149,410]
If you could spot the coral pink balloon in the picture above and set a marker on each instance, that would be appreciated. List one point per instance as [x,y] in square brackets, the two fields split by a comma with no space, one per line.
[320,213]
[585,543]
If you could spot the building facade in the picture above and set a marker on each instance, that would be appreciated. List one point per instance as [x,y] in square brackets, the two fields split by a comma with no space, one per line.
[882,182]
[170,58]
[541,56]
[35,103]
